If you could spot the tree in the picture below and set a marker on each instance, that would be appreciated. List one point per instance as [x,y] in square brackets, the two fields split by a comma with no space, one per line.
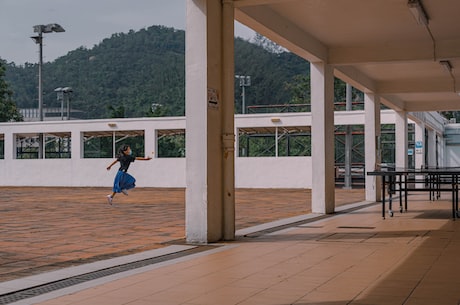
[267,44]
[300,89]
[8,109]
[117,112]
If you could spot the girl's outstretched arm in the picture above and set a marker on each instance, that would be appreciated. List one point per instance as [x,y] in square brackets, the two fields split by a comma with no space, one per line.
[144,158]
[112,164]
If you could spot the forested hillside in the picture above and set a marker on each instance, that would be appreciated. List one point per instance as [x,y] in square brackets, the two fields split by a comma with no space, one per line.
[125,74]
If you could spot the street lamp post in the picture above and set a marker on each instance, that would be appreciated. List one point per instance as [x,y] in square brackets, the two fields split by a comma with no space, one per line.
[245,81]
[67,94]
[40,29]
[63,94]
[60,97]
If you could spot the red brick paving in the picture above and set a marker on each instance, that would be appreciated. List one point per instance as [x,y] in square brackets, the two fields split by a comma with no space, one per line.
[46,228]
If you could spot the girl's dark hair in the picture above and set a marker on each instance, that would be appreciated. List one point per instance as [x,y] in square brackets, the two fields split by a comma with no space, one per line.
[122,149]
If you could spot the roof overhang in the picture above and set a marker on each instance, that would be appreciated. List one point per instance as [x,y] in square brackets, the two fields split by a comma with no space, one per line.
[377,46]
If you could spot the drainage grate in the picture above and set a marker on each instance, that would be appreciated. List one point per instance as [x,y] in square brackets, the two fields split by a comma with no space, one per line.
[78,279]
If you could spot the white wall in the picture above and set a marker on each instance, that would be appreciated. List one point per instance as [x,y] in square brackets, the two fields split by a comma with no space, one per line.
[78,171]
[271,172]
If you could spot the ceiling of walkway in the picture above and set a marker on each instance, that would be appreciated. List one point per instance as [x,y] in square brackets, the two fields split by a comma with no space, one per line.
[376,45]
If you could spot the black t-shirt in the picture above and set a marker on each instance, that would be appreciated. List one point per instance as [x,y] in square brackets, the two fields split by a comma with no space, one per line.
[125,161]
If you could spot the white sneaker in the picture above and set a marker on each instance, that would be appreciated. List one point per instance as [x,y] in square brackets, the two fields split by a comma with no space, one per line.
[109,199]
[125,192]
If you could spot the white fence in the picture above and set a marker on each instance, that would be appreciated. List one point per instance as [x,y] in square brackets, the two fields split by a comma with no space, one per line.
[77,171]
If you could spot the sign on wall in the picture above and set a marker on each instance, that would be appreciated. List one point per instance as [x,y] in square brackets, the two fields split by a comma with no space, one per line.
[213,99]
[418,147]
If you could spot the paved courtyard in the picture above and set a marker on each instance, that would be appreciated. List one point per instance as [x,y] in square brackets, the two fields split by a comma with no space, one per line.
[44,229]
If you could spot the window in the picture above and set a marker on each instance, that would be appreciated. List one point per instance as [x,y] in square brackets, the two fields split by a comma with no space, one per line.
[283,141]
[105,144]
[56,145]
[171,143]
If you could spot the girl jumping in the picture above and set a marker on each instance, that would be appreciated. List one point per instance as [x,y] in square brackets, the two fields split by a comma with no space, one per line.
[123,181]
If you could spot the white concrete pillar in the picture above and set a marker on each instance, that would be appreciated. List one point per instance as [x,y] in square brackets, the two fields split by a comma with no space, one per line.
[7,164]
[401,138]
[9,141]
[442,151]
[150,143]
[372,131]
[76,150]
[209,121]
[419,149]
[322,130]
[419,144]
[431,148]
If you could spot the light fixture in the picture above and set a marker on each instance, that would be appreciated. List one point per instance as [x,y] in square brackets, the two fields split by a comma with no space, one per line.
[416,8]
[111,124]
[49,28]
[67,90]
[446,65]
[275,120]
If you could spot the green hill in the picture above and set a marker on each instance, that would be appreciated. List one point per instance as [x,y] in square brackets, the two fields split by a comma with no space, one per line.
[125,74]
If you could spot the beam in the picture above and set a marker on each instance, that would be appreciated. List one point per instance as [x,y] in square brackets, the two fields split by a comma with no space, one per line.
[395,53]
[357,79]
[393,102]
[282,31]
[415,86]
[432,106]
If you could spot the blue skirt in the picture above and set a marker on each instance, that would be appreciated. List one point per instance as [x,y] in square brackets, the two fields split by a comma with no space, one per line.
[123,181]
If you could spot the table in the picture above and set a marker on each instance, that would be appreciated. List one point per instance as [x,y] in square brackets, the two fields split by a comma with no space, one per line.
[432,180]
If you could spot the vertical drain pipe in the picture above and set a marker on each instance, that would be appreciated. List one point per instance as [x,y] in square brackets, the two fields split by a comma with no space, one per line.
[228,120]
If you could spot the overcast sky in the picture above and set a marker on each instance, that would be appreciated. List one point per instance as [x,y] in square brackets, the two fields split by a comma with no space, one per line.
[86,23]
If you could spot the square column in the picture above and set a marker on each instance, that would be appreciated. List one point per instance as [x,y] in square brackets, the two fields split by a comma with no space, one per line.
[77,145]
[322,138]
[209,121]
[419,149]
[419,144]
[442,151]
[401,144]
[372,149]
[150,140]
[9,147]
[431,147]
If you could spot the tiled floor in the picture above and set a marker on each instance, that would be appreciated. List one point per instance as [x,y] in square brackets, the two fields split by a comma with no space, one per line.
[352,257]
